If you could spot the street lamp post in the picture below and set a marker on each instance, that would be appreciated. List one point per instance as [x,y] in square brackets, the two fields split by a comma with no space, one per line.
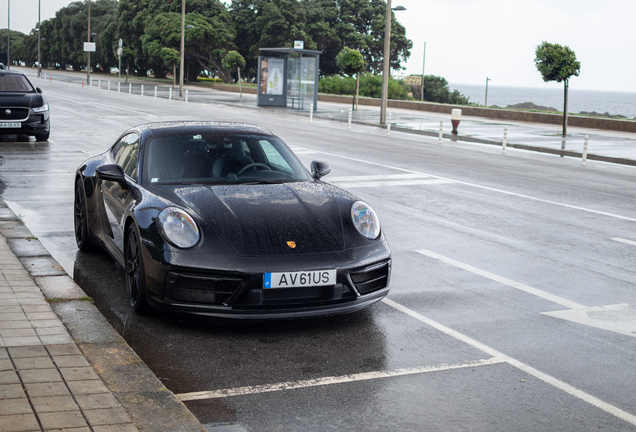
[88,53]
[386,61]
[486,98]
[182,48]
[39,34]
[8,34]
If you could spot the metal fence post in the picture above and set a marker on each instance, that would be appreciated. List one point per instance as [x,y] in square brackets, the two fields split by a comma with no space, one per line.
[388,125]
[155,92]
[129,88]
[350,113]
[505,140]
[186,99]
[587,137]
[311,112]
[118,87]
[142,90]
[170,93]
[441,125]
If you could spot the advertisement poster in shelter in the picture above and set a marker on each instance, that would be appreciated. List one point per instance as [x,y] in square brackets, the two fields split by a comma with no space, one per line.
[272,76]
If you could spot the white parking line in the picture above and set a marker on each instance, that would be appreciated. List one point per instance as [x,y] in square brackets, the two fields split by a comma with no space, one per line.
[629,242]
[364,376]
[346,185]
[571,390]
[530,290]
[485,187]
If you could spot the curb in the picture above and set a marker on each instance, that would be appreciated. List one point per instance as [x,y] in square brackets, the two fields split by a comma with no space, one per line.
[150,405]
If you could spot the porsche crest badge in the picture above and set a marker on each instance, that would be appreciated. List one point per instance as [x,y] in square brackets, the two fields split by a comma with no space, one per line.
[291,244]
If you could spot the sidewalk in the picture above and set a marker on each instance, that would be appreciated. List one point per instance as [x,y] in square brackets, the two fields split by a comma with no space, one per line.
[62,366]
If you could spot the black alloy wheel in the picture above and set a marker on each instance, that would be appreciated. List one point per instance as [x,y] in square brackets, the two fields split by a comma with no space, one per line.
[135,276]
[80,220]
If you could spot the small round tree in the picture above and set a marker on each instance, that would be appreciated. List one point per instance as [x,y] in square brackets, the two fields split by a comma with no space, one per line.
[171,57]
[234,60]
[557,63]
[351,62]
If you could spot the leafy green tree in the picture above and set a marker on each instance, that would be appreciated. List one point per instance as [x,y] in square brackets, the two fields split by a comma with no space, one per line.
[127,57]
[16,38]
[557,63]
[171,57]
[235,60]
[351,62]
[323,24]
[370,86]
[436,90]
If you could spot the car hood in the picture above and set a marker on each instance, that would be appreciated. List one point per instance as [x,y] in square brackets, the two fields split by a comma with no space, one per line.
[22,100]
[264,220]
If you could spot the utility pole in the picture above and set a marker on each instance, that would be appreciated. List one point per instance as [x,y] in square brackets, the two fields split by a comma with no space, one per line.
[182,48]
[486,99]
[39,35]
[88,53]
[8,34]
[423,65]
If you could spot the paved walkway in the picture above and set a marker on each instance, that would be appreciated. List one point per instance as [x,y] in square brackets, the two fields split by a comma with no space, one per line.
[46,383]
[62,366]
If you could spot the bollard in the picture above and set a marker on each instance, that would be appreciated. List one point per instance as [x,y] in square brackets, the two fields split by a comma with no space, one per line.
[562,146]
[388,126]
[82,82]
[350,113]
[99,84]
[129,88]
[505,141]
[50,77]
[441,125]
[108,85]
[155,92]
[587,137]
[186,101]
[311,112]
[118,86]
[142,90]
[170,93]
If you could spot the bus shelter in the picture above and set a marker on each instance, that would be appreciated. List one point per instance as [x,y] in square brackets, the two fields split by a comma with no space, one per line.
[288,77]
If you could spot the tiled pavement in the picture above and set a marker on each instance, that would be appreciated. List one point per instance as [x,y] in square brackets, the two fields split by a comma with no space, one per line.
[46,383]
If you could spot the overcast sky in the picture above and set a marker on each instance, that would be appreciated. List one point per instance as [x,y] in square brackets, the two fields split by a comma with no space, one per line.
[469,40]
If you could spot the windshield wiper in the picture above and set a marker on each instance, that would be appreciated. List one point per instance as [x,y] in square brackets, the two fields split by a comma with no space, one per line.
[253,182]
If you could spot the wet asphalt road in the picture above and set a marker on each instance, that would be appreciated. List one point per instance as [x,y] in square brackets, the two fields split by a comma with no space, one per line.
[484,245]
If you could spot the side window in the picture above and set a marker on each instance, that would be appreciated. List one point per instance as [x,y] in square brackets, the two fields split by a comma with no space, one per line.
[127,154]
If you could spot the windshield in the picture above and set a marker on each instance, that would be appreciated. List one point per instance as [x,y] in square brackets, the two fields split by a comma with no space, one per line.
[14,83]
[220,158]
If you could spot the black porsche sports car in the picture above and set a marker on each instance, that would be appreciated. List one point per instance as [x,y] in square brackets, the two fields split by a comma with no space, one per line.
[222,219]
[23,109]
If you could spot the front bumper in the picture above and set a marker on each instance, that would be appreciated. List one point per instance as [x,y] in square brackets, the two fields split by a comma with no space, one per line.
[240,294]
[36,124]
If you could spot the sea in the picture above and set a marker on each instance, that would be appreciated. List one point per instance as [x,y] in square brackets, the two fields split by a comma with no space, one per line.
[614,103]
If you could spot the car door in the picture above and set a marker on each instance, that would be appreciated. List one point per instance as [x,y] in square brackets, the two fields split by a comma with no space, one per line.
[118,198]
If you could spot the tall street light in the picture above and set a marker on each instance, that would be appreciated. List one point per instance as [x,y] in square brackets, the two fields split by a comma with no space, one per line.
[385,66]
[182,48]
[39,28]
[8,34]
[88,53]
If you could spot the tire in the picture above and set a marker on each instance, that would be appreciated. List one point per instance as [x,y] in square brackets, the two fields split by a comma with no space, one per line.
[135,275]
[43,137]
[80,218]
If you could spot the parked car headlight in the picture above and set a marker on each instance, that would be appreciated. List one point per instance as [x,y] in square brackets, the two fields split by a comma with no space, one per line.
[43,108]
[365,220]
[178,228]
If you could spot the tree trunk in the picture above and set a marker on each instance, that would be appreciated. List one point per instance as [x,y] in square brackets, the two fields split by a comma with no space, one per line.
[239,80]
[355,99]
[565,109]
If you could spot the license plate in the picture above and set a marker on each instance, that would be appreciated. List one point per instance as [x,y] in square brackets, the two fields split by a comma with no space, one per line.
[299,279]
[10,125]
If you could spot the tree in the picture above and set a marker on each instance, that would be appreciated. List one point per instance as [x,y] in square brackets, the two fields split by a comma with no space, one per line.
[557,63]
[234,60]
[351,62]
[171,57]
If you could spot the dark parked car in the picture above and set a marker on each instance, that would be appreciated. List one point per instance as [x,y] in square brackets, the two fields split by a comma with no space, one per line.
[23,109]
[222,219]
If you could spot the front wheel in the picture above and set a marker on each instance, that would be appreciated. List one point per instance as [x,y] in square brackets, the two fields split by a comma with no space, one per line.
[43,137]
[80,219]
[135,276]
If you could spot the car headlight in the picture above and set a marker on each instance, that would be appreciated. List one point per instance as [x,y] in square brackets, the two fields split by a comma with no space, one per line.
[178,228]
[365,220]
[43,108]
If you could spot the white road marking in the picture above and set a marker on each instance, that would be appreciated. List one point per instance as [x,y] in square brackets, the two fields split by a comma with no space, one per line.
[485,187]
[115,107]
[346,185]
[377,177]
[503,280]
[571,390]
[364,376]
[629,242]
[619,318]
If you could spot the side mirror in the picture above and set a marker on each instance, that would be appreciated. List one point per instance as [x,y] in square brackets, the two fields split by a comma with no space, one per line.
[112,172]
[319,169]
[38,89]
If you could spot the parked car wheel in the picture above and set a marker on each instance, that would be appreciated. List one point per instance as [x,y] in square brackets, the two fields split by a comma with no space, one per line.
[135,276]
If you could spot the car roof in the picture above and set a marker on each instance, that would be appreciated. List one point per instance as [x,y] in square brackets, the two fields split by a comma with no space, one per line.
[187,127]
